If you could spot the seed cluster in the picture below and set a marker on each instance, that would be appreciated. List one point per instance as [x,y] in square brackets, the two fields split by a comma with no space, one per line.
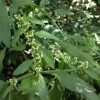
[30,40]
[59,55]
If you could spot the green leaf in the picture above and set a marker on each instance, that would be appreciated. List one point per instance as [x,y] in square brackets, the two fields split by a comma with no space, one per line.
[16,3]
[76,52]
[19,47]
[27,89]
[91,95]
[85,14]
[98,1]
[5,35]
[2,55]
[44,34]
[73,83]
[1,84]
[72,66]
[54,2]
[91,74]
[23,67]
[55,93]
[8,89]
[15,96]
[29,96]
[42,3]
[47,57]
[16,37]
[61,65]
[63,11]
[3,87]
[33,20]
[20,2]
[29,85]
[42,89]
[26,82]
[97,70]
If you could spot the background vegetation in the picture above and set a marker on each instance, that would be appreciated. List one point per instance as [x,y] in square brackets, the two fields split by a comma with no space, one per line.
[49,49]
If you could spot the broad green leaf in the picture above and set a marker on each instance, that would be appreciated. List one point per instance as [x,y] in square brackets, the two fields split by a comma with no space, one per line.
[19,47]
[27,89]
[1,84]
[99,1]
[20,2]
[44,34]
[29,85]
[61,65]
[5,35]
[15,96]
[2,55]
[16,37]
[91,95]
[23,67]
[29,96]
[76,52]
[33,20]
[47,57]
[73,82]
[3,87]
[16,3]
[97,70]
[63,11]
[91,74]
[54,2]
[81,13]
[72,66]
[55,93]
[26,82]
[85,14]
[42,89]
[42,3]
[8,89]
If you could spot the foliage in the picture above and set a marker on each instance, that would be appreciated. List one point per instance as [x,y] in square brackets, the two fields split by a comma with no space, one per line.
[49,50]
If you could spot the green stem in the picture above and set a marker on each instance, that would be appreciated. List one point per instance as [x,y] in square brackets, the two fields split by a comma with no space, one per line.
[56,71]
[50,71]
[25,76]
[24,55]
[44,72]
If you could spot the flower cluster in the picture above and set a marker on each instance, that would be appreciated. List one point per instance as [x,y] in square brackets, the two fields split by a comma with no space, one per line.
[13,81]
[30,40]
[58,54]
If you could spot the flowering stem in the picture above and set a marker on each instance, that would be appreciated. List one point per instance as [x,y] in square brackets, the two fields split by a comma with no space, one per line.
[44,72]
[25,76]
[56,71]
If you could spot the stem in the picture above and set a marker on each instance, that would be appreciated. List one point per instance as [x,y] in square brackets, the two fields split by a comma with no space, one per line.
[50,71]
[56,71]
[25,76]
[44,72]
[24,55]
